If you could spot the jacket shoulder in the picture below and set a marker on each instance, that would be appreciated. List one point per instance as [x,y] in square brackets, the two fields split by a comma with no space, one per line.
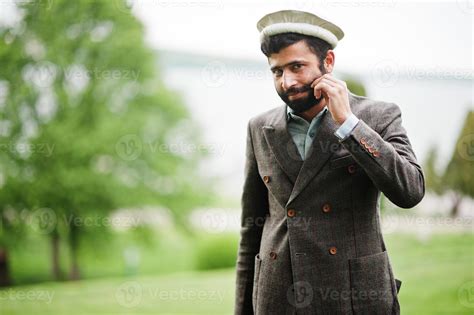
[266,117]
[373,111]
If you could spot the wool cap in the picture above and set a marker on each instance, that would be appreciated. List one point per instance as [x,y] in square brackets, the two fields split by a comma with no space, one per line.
[301,22]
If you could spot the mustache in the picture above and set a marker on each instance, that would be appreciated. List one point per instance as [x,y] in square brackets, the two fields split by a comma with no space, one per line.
[295,90]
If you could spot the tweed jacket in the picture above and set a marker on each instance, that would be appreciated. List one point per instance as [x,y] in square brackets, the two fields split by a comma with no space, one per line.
[311,241]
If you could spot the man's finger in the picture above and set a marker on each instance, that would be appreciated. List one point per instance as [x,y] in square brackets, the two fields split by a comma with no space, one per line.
[333,79]
[323,86]
[317,81]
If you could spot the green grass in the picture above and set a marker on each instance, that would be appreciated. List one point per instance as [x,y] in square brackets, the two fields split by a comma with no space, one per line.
[184,293]
[159,252]
[433,273]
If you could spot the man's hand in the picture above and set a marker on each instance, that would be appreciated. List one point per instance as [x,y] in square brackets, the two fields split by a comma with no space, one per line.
[335,94]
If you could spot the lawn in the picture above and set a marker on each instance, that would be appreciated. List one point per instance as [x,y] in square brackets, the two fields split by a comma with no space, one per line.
[436,275]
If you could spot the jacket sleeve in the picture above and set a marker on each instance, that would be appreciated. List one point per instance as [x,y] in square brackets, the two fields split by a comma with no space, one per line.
[387,158]
[254,204]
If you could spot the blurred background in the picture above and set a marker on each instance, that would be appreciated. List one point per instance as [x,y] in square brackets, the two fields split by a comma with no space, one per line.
[122,138]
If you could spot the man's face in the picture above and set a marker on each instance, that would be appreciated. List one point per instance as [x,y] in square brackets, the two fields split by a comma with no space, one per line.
[294,68]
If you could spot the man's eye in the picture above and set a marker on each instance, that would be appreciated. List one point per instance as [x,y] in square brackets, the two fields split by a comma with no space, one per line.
[297,66]
[277,72]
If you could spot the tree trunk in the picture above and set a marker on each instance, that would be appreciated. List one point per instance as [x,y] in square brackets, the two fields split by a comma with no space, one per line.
[55,260]
[5,279]
[74,245]
[75,273]
[456,202]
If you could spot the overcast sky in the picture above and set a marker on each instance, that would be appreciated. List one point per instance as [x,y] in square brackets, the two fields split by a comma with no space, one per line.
[422,34]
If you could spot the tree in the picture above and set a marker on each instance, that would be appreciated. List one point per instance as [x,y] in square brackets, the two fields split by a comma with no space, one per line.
[355,86]
[433,177]
[458,176]
[88,126]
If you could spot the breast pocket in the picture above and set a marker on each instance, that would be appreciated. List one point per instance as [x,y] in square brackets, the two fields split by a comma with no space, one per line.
[342,161]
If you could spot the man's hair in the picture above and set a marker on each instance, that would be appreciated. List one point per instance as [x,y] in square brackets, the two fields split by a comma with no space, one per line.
[273,44]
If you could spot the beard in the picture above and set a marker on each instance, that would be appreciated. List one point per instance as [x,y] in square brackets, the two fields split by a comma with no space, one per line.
[303,103]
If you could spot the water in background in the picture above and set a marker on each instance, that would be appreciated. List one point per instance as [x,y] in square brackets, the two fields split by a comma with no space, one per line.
[223,94]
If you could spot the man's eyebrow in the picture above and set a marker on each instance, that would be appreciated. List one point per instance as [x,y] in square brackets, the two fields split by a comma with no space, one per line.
[287,64]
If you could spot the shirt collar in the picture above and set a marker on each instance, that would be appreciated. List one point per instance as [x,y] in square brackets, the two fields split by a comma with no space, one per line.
[291,115]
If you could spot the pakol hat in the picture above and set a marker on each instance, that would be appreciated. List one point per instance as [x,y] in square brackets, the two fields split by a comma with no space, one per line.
[293,21]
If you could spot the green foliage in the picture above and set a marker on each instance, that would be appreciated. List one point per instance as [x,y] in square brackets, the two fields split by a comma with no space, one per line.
[216,251]
[355,86]
[459,172]
[87,124]
[433,179]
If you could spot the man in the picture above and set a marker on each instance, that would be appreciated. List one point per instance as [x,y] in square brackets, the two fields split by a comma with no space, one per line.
[311,241]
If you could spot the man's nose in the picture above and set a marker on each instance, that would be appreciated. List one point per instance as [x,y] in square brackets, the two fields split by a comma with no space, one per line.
[287,81]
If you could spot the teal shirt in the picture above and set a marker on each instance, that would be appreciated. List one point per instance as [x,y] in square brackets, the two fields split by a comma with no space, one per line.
[302,131]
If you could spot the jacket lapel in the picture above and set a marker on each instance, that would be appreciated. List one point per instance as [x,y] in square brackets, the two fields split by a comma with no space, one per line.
[324,145]
[282,145]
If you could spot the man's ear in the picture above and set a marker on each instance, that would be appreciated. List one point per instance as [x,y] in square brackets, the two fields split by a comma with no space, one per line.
[329,61]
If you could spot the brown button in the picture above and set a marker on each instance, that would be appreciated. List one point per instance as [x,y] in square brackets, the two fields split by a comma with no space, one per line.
[273,255]
[333,250]
[366,145]
[291,213]
[351,169]
[362,141]
[326,208]
[376,153]
[266,178]
[372,150]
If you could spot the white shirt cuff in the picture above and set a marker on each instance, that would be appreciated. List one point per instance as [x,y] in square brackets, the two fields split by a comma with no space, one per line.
[346,128]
